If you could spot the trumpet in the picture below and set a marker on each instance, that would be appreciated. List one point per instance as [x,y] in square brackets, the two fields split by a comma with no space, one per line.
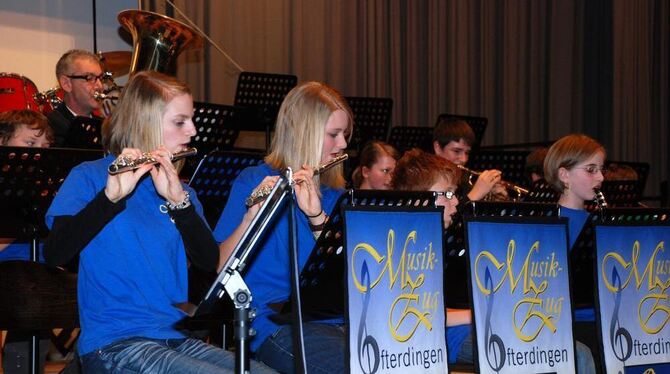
[261,193]
[125,163]
[520,191]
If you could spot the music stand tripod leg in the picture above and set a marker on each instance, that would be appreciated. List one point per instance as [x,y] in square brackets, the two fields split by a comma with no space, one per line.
[238,291]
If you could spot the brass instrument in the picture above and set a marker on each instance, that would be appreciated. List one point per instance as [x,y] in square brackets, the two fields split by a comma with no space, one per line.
[125,163]
[520,191]
[157,40]
[260,194]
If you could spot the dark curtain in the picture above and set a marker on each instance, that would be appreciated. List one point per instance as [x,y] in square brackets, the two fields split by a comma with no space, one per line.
[538,69]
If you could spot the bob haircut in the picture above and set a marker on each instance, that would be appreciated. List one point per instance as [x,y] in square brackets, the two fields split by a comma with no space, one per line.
[12,119]
[137,122]
[370,154]
[451,129]
[418,171]
[567,152]
[301,127]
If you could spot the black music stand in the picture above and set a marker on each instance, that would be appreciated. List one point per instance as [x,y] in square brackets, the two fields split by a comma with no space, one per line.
[641,169]
[84,133]
[216,129]
[478,125]
[324,272]
[511,163]
[229,280]
[583,252]
[404,138]
[214,177]
[542,192]
[29,179]
[258,98]
[455,259]
[372,118]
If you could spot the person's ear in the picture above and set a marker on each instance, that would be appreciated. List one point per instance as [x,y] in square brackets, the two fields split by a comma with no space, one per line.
[365,172]
[65,83]
[563,176]
[437,148]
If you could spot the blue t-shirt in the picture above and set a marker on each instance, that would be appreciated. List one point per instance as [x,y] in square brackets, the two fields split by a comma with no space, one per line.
[576,220]
[267,272]
[134,270]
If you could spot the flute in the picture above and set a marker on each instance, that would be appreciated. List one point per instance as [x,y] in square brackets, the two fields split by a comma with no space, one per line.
[260,194]
[125,163]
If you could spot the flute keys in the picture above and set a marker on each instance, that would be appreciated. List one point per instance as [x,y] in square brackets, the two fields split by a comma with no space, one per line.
[258,195]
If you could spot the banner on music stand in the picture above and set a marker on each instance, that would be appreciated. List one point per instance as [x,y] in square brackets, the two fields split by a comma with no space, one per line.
[633,277]
[395,290]
[521,295]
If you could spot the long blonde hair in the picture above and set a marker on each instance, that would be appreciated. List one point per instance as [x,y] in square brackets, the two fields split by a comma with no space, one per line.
[301,126]
[137,122]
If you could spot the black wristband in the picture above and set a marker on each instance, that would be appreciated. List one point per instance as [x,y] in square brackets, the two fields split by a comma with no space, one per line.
[318,214]
[318,227]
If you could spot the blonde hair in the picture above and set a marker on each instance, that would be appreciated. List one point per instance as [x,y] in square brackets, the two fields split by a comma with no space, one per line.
[301,127]
[137,122]
[567,152]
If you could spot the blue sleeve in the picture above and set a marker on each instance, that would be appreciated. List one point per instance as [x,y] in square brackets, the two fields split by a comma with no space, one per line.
[235,208]
[77,191]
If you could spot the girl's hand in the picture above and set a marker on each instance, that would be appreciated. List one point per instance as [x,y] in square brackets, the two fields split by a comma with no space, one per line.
[122,184]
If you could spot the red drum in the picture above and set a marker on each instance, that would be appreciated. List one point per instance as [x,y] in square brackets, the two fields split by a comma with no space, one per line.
[17,92]
[49,99]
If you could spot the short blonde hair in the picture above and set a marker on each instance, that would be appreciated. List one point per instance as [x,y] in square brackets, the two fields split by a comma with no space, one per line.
[137,121]
[567,152]
[301,126]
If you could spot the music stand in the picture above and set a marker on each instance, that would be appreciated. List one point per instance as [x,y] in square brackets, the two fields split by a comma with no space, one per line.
[641,169]
[85,133]
[372,116]
[478,125]
[541,192]
[29,179]
[455,259]
[324,271]
[510,163]
[583,252]
[215,126]
[258,97]
[214,177]
[404,138]
[229,281]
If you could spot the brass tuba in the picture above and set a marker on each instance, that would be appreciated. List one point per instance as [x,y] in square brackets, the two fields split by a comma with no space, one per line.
[157,40]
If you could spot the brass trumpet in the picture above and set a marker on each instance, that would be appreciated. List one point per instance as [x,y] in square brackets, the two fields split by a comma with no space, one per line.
[125,163]
[520,191]
[260,194]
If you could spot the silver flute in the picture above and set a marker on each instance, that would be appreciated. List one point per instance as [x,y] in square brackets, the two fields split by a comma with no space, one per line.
[261,193]
[124,163]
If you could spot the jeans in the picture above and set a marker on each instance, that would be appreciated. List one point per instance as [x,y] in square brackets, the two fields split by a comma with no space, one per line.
[143,355]
[324,349]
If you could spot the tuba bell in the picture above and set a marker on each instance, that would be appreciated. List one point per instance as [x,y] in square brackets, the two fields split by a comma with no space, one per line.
[157,40]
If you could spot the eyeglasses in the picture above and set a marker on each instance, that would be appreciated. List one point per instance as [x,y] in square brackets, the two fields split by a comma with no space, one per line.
[592,169]
[90,78]
[447,194]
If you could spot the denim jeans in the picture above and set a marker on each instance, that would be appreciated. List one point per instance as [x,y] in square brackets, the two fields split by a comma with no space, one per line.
[324,349]
[143,355]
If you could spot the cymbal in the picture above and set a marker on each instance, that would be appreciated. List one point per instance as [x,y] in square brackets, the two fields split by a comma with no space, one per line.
[116,62]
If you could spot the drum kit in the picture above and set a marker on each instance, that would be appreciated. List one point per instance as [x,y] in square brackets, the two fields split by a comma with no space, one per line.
[157,41]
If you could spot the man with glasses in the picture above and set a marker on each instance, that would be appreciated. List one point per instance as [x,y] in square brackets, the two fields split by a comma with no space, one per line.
[79,75]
